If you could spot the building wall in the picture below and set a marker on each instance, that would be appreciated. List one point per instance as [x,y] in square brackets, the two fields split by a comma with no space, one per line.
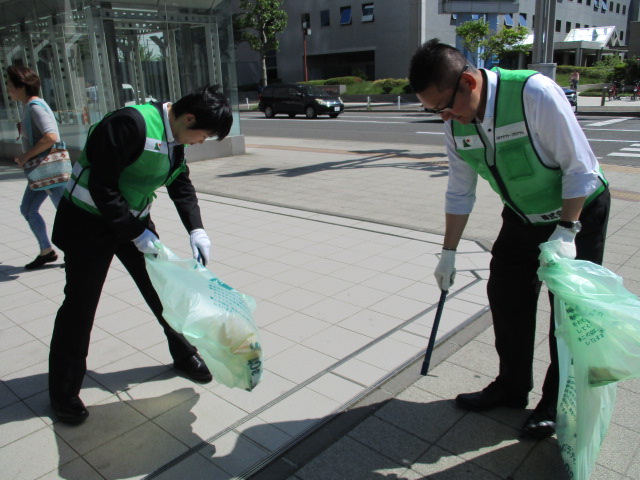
[398,28]
[577,14]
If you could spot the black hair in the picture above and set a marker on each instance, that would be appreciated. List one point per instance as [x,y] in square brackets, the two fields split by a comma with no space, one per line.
[210,108]
[435,64]
[22,76]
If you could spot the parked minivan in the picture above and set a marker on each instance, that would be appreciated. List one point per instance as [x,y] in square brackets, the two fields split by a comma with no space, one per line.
[294,99]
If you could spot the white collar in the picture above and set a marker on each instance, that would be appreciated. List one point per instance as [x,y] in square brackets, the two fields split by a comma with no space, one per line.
[167,125]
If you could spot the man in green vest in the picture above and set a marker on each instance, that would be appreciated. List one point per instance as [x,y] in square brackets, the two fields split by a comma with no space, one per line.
[105,211]
[516,130]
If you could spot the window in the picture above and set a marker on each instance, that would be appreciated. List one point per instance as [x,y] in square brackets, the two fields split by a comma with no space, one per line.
[588,2]
[508,20]
[621,35]
[558,25]
[367,12]
[325,19]
[624,9]
[522,21]
[618,8]
[604,5]
[345,15]
[596,4]
[578,25]
[567,27]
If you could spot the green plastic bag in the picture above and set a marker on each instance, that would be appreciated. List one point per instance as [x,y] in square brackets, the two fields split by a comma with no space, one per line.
[598,333]
[215,318]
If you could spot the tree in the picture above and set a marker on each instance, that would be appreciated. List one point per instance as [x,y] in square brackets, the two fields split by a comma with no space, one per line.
[505,42]
[485,43]
[472,34]
[258,25]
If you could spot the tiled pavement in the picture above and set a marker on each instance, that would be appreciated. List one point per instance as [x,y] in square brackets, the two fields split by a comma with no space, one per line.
[337,243]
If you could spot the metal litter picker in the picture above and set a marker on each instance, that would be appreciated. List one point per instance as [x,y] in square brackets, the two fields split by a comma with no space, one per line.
[434,331]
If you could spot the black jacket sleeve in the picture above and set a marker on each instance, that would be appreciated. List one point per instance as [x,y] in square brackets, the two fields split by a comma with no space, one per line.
[183,194]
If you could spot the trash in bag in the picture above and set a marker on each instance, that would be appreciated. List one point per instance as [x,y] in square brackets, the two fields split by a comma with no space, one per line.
[598,335]
[214,317]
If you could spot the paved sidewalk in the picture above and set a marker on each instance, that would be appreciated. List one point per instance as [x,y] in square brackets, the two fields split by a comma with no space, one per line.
[337,242]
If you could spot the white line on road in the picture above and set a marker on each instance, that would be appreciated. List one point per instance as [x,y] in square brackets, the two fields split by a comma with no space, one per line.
[609,140]
[616,154]
[607,122]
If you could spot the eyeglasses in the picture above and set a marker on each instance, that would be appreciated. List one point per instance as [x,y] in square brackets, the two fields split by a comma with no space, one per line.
[449,106]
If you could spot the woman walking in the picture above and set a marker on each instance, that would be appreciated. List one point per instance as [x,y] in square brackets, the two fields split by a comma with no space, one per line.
[39,132]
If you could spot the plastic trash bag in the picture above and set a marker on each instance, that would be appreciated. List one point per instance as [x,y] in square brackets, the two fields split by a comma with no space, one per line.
[598,334]
[214,317]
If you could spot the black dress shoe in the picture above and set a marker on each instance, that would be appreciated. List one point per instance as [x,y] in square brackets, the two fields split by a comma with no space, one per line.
[541,423]
[491,397]
[41,260]
[70,410]
[195,368]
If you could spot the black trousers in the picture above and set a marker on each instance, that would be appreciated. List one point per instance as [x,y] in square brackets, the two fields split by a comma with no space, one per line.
[89,246]
[513,291]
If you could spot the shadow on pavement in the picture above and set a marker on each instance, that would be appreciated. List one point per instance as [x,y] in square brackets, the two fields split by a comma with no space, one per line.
[371,159]
[388,437]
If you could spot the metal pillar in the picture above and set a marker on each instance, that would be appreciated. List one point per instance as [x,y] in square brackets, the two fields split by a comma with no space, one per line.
[214,59]
[105,101]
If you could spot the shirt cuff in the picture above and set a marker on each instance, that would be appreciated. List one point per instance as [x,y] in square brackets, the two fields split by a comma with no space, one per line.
[580,185]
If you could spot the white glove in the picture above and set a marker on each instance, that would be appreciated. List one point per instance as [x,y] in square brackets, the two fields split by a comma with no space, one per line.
[200,245]
[445,271]
[563,242]
[145,242]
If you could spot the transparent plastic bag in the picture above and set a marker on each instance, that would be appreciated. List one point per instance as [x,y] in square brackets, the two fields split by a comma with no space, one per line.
[598,334]
[214,317]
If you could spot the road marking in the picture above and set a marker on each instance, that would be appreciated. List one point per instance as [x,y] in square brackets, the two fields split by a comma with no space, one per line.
[616,154]
[607,122]
[629,149]
[430,133]
[609,140]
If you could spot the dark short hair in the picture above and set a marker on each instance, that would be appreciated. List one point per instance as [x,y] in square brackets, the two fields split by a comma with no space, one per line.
[211,109]
[22,76]
[435,63]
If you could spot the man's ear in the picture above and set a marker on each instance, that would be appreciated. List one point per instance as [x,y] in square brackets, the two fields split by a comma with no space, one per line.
[470,80]
[189,119]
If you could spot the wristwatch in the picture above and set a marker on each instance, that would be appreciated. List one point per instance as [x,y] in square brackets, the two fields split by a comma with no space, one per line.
[575,227]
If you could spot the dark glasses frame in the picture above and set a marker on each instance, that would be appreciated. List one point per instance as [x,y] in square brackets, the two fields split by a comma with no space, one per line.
[449,106]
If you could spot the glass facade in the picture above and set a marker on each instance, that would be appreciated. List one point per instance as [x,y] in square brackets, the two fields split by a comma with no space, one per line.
[94,57]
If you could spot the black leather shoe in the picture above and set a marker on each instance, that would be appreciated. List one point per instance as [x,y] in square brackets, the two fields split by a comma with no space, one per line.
[41,260]
[491,397]
[541,423]
[70,410]
[194,368]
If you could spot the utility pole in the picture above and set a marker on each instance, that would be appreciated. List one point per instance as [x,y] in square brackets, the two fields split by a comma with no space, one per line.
[306,30]
[543,34]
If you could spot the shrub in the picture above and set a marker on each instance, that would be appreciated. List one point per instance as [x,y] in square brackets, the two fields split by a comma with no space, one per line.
[342,81]
[313,82]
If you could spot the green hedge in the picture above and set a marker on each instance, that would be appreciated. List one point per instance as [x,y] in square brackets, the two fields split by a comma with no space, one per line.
[342,81]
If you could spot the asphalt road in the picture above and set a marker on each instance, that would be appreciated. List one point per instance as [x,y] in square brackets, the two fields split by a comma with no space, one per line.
[614,140]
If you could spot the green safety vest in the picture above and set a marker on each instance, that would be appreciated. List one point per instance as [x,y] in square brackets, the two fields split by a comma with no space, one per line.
[139,181]
[513,168]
